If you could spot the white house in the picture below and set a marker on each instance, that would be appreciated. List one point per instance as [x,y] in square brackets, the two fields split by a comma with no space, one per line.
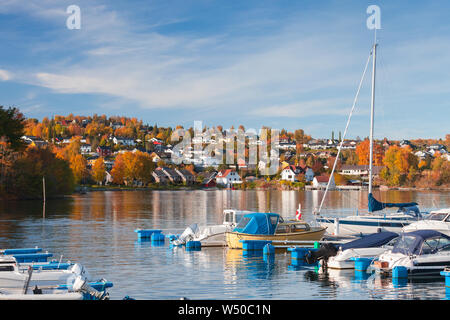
[124,141]
[321,182]
[288,174]
[227,178]
[85,148]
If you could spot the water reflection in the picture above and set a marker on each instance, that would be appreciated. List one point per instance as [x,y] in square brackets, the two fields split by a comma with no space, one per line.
[97,230]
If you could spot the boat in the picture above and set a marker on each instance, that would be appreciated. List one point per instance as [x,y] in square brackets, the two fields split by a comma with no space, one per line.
[369,222]
[214,235]
[79,290]
[421,253]
[271,227]
[364,224]
[438,220]
[14,274]
[341,256]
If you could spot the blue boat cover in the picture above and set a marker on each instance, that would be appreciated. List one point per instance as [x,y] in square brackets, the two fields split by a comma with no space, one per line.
[258,223]
[375,205]
[370,241]
[411,242]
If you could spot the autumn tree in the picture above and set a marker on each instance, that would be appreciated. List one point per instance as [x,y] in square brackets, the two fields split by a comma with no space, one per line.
[99,170]
[363,153]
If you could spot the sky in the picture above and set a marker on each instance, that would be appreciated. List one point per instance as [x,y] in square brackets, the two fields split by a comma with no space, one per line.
[279,63]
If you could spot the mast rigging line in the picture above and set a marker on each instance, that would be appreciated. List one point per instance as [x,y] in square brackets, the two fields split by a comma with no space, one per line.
[345,131]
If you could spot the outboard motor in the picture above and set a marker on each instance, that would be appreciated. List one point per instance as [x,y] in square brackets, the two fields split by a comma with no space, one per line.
[187,235]
[325,251]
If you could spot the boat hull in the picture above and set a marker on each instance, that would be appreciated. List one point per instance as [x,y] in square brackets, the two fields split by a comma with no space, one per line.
[363,225]
[233,238]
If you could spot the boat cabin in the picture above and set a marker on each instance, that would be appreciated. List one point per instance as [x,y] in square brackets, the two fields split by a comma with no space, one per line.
[269,224]
[292,226]
[440,215]
[232,216]
[422,242]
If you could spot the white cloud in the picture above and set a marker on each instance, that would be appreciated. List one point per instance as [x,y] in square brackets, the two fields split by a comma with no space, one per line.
[5,75]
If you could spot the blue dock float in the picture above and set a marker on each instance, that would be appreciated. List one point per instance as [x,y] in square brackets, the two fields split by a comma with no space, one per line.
[146,234]
[250,245]
[32,257]
[193,246]
[157,237]
[446,274]
[20,251]
[361,264]
[298,256]
[269,249]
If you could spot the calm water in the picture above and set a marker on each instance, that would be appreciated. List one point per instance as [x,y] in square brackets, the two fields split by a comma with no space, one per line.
[97,230]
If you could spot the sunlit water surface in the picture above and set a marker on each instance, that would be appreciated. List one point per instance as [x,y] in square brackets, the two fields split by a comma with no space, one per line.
[97,230]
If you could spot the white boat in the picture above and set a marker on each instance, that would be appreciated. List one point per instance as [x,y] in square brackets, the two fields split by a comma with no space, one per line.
[214,235]
[422,253]
[79,290]
[438,220]
[341,256]
[370,222]
[14,275]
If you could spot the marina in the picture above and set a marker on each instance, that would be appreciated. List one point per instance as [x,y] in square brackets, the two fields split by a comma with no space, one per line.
[96,229]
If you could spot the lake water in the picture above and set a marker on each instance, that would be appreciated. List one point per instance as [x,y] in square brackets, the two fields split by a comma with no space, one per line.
[97,230]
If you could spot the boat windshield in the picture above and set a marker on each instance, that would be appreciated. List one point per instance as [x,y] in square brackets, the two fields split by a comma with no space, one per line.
[440,216]
[435,244]
[404,245]
[243,222]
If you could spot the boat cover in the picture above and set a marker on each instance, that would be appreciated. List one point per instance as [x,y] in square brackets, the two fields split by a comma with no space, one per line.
[371,241]
[411,242]
[375,205]
[258,223]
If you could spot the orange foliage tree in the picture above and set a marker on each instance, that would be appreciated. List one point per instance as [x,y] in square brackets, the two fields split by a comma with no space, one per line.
[363,153]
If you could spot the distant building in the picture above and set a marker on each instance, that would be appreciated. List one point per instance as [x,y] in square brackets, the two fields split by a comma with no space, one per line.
[85,148]
[321,182]
[209,178]
[359,170]
[186,176]
[124,141]
[228,178]
[104,151]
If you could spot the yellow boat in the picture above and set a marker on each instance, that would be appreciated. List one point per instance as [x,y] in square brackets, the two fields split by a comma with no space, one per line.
[270,226]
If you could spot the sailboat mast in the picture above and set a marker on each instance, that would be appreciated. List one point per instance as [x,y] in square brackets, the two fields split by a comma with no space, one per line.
[372,108]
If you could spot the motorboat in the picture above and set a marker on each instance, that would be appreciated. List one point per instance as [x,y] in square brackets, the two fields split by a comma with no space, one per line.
[341,256]
[214,235]
[14,274]
[363,224]
[422,253]
[79,290]
[271,227]
[438,220]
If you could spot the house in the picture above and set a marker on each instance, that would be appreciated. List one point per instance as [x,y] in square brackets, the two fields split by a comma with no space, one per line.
[321,182]
[208,178]
[104,151]
[228,177]
[34,141]
[160,176]
[85,148]
[309,174]
[172,175]
[124,141]
[359,170]
[290,172]
[186,176]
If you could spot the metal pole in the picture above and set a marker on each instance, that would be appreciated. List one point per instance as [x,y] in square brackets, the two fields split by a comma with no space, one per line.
[372,107]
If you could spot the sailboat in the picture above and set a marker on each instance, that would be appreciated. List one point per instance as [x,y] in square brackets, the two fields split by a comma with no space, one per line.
[372,222]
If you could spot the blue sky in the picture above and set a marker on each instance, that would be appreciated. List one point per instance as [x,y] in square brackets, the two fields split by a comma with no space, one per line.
[284,64]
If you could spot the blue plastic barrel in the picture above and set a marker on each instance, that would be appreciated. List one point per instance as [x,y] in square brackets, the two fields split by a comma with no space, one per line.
[399,272]
[361,264]
[268,249]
